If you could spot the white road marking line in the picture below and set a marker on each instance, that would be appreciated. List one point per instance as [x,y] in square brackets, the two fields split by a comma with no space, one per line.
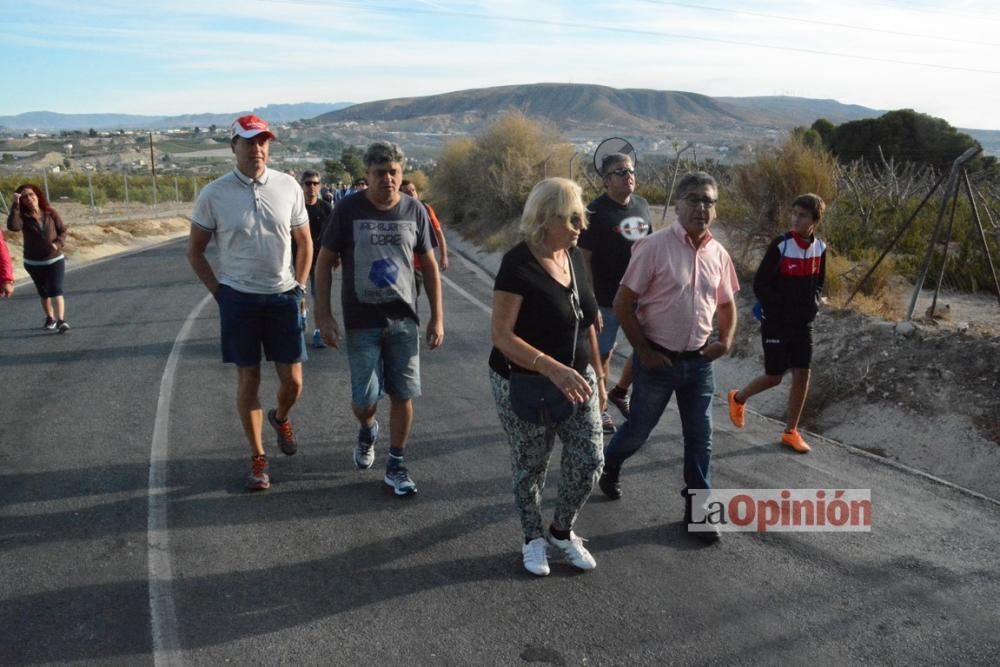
[163,615]
[473,300]
[475,269]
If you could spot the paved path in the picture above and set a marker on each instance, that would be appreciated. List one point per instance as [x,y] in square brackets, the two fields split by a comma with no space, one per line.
[330,568]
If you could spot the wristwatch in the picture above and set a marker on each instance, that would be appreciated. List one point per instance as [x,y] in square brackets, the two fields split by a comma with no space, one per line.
[303,287]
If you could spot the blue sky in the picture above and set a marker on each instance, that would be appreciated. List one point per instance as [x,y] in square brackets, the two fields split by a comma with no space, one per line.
[190,56]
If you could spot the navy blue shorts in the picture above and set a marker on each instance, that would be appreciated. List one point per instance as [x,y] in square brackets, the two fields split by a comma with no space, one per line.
[785,347]
[48,279]
[250,322]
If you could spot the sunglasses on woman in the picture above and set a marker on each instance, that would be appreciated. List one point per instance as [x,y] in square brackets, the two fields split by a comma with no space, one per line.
[574,222]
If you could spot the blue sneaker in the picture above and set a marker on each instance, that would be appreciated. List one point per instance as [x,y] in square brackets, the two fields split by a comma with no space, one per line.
[318,340]
[364,452]
[398,477]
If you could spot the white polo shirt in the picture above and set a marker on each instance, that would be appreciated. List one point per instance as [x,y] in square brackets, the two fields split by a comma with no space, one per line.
[252,221]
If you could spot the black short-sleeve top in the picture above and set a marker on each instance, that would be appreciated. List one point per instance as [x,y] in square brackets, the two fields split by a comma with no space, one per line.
[546,318]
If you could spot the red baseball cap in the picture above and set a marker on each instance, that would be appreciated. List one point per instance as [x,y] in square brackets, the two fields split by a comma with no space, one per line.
[250,126]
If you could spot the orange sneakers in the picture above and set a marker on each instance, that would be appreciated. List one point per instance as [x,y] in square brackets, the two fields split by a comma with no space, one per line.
[795,441]
[737,411]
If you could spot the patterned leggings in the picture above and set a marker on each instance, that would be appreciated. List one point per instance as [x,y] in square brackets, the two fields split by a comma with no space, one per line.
[530,448]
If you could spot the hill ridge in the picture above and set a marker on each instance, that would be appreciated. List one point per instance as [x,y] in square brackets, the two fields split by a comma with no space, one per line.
[634,109]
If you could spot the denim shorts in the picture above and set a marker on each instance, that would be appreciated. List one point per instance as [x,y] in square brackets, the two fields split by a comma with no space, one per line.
[609,334]
[249,322]
[384,360]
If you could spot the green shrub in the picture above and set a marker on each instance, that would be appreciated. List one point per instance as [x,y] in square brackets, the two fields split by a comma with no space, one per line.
[483,183]
[757,205]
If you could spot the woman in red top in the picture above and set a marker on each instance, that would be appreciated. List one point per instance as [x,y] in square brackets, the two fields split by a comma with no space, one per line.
[44,238]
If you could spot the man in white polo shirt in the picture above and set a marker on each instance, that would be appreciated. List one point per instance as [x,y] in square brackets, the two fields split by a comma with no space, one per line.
[254,213]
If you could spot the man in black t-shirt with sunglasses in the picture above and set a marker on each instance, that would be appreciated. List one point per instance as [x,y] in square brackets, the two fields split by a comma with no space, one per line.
[618,218]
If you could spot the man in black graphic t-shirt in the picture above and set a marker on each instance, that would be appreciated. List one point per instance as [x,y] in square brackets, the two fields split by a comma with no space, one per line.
[618,218]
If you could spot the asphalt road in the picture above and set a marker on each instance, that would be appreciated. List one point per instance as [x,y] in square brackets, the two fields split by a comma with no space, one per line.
[329,568]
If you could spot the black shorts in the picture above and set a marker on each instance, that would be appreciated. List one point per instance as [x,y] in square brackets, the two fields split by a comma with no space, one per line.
[785,347]
[48,279]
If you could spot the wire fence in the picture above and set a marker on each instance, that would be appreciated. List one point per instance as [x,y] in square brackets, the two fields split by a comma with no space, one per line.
[102,197]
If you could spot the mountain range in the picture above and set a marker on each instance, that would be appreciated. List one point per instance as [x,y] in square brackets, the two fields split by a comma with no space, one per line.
[582,111]
[49,121]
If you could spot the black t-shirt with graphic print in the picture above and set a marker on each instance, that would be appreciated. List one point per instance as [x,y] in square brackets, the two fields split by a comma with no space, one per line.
[546,318]
[376,249]
[607,237]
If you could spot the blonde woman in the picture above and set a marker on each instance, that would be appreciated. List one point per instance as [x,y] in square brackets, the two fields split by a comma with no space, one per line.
[543,323]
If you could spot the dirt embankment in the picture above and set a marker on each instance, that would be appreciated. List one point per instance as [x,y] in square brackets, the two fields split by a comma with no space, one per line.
[88,242]
[925,393]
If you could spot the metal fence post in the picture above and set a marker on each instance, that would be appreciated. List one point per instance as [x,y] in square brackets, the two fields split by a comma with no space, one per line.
[90,188]
[128,212]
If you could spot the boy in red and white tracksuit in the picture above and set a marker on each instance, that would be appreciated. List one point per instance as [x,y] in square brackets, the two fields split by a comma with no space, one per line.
[788,286]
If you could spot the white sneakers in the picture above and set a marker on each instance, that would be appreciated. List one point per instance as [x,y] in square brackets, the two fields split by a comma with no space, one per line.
[536,559]
[574,551]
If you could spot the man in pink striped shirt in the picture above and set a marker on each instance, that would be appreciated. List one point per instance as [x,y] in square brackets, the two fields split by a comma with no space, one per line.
[678,282]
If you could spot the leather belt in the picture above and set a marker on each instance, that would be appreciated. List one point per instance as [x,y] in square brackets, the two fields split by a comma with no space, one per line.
[687,355]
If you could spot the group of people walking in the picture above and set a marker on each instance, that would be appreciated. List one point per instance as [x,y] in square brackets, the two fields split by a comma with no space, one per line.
[579,275]
[274,241]
[669,287]
[668,291]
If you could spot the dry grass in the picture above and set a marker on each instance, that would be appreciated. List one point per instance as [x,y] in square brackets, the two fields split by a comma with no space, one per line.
[879,296]
[93,241]
[501,239]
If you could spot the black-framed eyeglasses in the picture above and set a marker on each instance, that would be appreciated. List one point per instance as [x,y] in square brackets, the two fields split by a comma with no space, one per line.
[623,172]
[707,202]
[311,182]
